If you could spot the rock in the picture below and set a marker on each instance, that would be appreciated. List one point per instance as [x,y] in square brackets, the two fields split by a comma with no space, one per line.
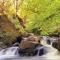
[26,34]
[26,44]
[16,44]
[34,38]
[48,42]
[19,39]
[40,49]
[8,40]
[8,31]
[28,52]
[29,42]
[2,45]
[56,44]
[27,48]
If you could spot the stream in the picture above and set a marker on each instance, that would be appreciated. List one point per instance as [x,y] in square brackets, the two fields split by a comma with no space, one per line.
[11,53]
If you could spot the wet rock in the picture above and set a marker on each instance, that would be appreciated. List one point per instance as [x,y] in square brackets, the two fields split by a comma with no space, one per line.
[41,52]
[19,39]
[16,44]
[2,45]
[27,48]
[48,42]
[38,50]
[28,45]
[25,52]
[54,44]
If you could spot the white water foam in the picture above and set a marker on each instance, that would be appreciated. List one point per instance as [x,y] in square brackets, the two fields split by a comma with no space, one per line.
[9,52]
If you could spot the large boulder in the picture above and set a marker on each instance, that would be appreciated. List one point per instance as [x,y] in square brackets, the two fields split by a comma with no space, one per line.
[30,41]
[26,48]
[31,49]
[26,44]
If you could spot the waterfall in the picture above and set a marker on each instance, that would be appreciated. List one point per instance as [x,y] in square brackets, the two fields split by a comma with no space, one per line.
[9,52]
[50,53]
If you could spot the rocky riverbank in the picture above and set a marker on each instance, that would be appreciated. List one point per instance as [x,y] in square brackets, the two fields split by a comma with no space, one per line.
[29,45]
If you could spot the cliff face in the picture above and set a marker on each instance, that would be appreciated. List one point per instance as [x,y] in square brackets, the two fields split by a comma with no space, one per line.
[8,32]
[6,25]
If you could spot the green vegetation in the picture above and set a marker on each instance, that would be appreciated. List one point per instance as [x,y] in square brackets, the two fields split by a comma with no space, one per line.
[42,15]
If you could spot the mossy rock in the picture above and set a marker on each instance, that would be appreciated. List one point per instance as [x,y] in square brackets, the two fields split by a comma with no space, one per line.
[8,38]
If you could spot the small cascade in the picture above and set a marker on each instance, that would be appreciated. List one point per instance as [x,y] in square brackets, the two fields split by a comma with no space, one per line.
[45,52]
[9,52]
[40,50]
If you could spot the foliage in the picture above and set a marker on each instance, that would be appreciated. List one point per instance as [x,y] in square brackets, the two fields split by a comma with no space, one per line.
[42,14]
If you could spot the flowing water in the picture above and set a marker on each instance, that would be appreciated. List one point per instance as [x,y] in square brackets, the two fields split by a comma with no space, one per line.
[11,53]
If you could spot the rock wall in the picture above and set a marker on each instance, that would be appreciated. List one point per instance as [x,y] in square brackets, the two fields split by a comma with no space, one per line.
[8,32]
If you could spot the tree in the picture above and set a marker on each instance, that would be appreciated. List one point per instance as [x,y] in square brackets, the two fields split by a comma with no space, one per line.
[44,14]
